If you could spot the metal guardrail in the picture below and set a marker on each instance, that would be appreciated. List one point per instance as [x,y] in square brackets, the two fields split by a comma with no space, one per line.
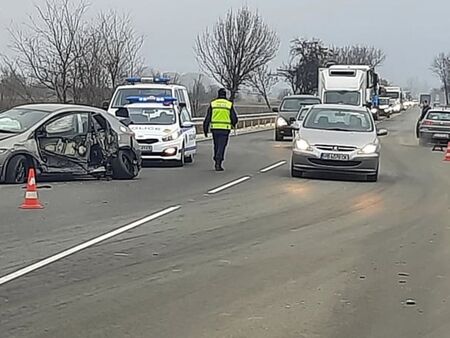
[245,121]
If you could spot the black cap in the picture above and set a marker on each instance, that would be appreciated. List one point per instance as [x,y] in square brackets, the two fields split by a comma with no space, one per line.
[222,93]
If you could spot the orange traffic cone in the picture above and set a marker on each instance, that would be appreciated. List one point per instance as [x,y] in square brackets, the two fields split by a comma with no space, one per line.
[447,154]
[31,196]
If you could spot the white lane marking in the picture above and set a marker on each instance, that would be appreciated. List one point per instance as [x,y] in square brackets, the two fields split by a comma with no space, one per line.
[229,185]
[75,249]
[273,166]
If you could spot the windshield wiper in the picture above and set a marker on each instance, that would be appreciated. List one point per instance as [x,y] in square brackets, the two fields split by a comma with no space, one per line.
[8,131]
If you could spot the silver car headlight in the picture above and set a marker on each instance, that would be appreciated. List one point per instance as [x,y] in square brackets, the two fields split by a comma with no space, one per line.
[302,145]
[281,122]
[171,137]
[369,149]
[3,150]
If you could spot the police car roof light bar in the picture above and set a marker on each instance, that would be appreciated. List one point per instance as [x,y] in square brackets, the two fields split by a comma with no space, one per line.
[156,79]
[165,100]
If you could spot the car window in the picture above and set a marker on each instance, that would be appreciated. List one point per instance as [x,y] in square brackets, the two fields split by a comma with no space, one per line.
[339,119]
[439,116]
[18,120]
[72,124]
[182,98]
[184,115]
[294,104]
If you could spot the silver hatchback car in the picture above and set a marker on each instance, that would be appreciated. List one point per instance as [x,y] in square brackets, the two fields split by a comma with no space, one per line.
[337,139]
[65,139]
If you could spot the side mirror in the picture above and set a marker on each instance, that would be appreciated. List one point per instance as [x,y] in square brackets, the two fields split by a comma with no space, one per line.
[292,120]
[126,122]
[187,124]
[382,132]
[183,105]
[41,132]
[105,104]
[123,112]
[275,110]
[296,125]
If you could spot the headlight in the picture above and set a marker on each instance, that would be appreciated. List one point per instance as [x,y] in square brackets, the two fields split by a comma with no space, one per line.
[374,110]
[171,137]
[3,150]
[369,149]
[302,145]
[281,122]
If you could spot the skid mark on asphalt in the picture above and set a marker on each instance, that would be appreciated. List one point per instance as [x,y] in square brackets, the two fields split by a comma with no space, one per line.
[85,245]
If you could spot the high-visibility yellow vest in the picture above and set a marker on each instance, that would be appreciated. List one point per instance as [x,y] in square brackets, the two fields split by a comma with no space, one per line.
[221,114]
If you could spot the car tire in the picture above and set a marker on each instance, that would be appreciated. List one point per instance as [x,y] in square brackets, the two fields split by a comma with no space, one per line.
[189,159]
[180,163]
[17,170]
[278,137]
[124,166]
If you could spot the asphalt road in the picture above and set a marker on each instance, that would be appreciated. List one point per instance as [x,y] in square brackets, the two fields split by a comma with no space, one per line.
[270,257]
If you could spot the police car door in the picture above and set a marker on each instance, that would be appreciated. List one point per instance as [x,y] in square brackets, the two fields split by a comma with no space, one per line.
[188,128]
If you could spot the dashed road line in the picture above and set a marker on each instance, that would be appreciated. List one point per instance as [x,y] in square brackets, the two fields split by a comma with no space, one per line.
[228,185]
[85,245]
[273,166]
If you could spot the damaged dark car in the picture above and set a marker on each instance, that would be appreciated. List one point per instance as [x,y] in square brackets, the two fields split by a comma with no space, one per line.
[61,139]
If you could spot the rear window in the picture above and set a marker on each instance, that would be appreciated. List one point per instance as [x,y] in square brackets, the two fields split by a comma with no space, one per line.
[294,104]
[439,116]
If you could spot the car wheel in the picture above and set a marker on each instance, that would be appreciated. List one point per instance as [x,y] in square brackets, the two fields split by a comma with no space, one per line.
[180,163]
[278,137]
[17,170]
[124,166]
[189,159]
[296,173]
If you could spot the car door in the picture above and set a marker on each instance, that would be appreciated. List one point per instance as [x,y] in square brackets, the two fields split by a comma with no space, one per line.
[64,142]
[188,128]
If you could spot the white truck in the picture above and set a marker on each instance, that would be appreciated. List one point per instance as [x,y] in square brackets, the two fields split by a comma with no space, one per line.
[395,95]
[346,84]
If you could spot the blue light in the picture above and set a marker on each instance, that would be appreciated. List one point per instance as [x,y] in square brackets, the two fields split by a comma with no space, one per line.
[162,79]
[133,79]
[137,79]
[165,100]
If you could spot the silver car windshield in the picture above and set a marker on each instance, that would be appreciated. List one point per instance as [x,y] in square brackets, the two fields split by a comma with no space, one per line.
[153,116]
[339,120]
[439,116]
[19,120]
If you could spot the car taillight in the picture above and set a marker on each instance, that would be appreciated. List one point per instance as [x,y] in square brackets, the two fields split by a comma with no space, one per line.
[428,123]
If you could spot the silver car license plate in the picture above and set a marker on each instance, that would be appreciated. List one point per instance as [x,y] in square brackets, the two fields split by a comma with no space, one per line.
[440,136]
[335,157]
[146,148]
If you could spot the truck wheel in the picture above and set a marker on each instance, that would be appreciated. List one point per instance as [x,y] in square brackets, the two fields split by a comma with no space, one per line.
[124,166]
[17,170]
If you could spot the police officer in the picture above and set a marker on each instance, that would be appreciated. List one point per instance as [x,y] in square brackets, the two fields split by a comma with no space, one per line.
[221,117]
[425,109]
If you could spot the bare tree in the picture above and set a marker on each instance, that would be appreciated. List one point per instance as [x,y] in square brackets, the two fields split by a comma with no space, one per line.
[236,46]
[262,81]
[302,71]
[122,46]
[441,68]
[359,55]
[47,50]
[197,93]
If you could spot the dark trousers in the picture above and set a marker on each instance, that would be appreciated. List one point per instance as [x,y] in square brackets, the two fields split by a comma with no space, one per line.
[220,138]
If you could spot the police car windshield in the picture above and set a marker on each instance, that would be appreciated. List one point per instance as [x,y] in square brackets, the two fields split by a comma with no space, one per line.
[122,94]
[153,116]
[19,120]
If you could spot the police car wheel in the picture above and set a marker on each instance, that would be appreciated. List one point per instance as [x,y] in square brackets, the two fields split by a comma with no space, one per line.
[189,159]
[181,161]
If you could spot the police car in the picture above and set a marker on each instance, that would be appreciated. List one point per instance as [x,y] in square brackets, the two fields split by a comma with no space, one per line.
[148,86]
[163,129]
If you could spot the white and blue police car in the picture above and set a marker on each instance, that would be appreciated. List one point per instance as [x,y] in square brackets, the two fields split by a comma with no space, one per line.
[164,129]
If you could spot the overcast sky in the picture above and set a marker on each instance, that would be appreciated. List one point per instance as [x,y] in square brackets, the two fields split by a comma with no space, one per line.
[411,32]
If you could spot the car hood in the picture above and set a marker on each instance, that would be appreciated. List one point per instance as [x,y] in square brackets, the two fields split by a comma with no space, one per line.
[4,136]
[287,114]
[339,138]
[151,131]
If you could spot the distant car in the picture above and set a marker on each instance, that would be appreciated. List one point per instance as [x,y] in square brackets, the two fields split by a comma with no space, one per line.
[287,112]
[435,127]
[337,139]
[384,108]
[65,139]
